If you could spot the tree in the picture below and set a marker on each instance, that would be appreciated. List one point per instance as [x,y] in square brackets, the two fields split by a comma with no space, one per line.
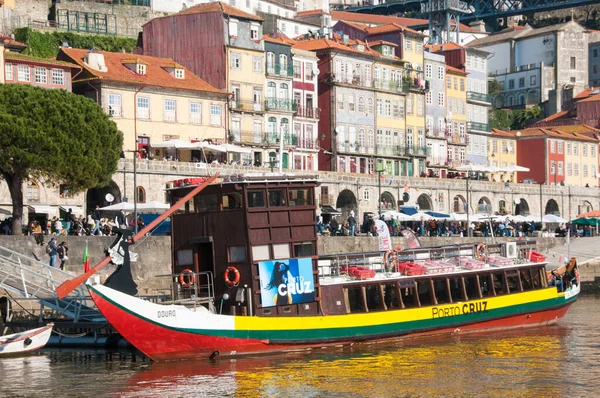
[57,136]
[527,116]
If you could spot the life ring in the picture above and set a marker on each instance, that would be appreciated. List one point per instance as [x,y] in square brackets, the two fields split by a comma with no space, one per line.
[191,278]
[389,259]
[481,251]
[236,279]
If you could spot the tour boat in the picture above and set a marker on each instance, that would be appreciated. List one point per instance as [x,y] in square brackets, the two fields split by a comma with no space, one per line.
[25,342]
[247,279]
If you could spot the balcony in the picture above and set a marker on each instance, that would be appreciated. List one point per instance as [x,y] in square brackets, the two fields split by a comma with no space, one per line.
[280,104]
[391,85]
[479,97]
[475,126]
[437,132]
[457,139]
[290,140]
[246,136]
[417,151]
[246,106]
[307,143]
[278,69]
[437,161]
[311,113]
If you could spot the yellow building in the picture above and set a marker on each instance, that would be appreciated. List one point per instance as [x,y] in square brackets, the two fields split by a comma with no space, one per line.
[150,99]
[581,159]
[456,116]
[502,152]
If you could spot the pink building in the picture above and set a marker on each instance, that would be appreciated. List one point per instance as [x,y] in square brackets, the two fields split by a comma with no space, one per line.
[41,72]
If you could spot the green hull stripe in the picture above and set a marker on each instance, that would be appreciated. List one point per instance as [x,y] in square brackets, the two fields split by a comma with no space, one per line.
[364,332]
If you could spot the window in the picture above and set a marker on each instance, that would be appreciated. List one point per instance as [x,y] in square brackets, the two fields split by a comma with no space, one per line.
[297,70]
[41,75]
[511,84]
[256,199]
[283,64]
[58,76]
[24,74]
[420,107]
[361,104]
[379,107]
[260,252]
[573,63]
[388,107]
[370,105]
[441,99]
[257,64]
[195,112]
[585,170]
[215,115]
[448,82]
[233,28]
[559,147]
[455,83]
[428,98]
[595,53]
[351,104]
[299,197]
[409,105]
[576,169]
[462,84]
[575,149]
[568,148]
[340,102]
[428,71]
[8,71]
[573,79]
[408,44]
[569,169]
[593,150]
[253,32]
[140,69]
[308,71]
[141,194]
[441,72]
[584,147]
[521,82]
[552,146]
[114,105]
[179,73]
[235,61]
[169,110]
[237,254]
[143,108]
[532,80]
[560,168]
[366,194]
[33,191]
[552,167]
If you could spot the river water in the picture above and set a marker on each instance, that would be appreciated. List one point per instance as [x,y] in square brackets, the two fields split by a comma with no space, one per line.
[557,361]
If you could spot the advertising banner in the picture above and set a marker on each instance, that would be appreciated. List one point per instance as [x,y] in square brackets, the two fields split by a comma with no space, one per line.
[284,282]
[383,232]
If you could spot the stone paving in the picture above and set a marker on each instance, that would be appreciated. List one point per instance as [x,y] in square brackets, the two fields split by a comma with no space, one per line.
[585,249]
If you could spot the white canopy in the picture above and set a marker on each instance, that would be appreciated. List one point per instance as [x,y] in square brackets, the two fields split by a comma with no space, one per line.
[154,206]
[551,218]
[388,215]
[207,146]
[126,206]
[234,148]
[514,168]
[177,144]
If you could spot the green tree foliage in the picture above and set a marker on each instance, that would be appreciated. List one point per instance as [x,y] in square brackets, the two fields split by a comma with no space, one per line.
[61,137]
[527,116]
[500,119]
[46,44]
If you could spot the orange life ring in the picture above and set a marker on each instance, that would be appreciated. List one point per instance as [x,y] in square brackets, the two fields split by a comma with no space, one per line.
[389,259]
[236,279]
[481,251]
[189,273]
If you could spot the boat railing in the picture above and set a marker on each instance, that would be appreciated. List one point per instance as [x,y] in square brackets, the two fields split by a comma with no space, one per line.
[199,289]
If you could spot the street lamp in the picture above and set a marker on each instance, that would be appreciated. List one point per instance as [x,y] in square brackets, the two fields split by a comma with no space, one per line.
[379,172]
[467,206]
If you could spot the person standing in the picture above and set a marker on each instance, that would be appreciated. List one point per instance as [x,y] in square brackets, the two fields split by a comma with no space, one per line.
[96,218]
[352,223]
[334,226]
[62,250]
[52,251]
[58,226]
[37,233]
[121,220]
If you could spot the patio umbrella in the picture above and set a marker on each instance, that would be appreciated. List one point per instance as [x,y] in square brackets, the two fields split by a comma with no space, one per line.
[593,213]
[421,217]
[176,144]
[208,147]
[585,221]
[512,169]
[551,218]
[234,148]
[126,206]
[474,168]
[153,207]
[438,215]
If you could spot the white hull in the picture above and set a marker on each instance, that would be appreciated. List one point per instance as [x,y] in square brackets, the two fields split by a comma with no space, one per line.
[27,341]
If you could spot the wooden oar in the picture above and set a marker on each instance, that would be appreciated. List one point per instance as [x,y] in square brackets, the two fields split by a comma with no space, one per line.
[68,286]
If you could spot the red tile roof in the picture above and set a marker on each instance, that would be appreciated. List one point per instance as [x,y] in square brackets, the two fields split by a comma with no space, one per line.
[577,132]
[280,39]
[219,7]
[593,98]
[10,42]
[18,57]
[155,75]
[444,47]
[380,42]
[393,27]
[558,115]
[323,44]
[452,69]
[502,133]
[585,93]
[309,13]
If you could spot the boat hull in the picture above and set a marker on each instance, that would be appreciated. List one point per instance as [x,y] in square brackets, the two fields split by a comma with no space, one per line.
[169,332]
[25,342]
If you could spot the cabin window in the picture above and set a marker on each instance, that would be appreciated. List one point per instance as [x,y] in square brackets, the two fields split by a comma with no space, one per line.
[499,283]
[456,289]
[304,249]
[410,297]
[256,199]
[300,197]
[207,202]
[189,206]
[526,279]
[425,293]
[391,297]
[185,257]
[237,254]
[354,299]
[471,287]
[513,281]
[441,292]
[539,276]
[231,201]
[281,250]
[485,285]
[276,197]
[374,298]
[260,252]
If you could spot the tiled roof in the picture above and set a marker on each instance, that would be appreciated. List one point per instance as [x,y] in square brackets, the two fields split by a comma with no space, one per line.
[309,12]
[576,128]
[10,42]
[444,47]
[219,7]
[382,42]
[279,39]
[392,27]
[558,115]
[502,133]
[527,31]
[593,98]
[577,132]
[40,61]
[323,44]
[384,19]
[155,74]
[452,69]
[585,93]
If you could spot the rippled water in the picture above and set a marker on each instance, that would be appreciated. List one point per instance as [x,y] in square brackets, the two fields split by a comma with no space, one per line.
[562,360]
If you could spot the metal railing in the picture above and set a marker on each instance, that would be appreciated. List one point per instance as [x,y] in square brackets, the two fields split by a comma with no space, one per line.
[201,291]
[302,111]
[391,85]
[246,106]
[437,161]
[479,126]
[29,278]
[280,104]
[281,70]
[436,131]
[481,97]
[457,139]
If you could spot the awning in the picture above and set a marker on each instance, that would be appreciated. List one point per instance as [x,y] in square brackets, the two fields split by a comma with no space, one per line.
[330,210]
[437,214]
[410,210]
[42,209]
[76,210]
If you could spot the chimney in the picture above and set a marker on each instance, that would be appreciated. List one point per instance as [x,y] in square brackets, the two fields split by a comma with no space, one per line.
[345,39]
[479,25]
[95,60]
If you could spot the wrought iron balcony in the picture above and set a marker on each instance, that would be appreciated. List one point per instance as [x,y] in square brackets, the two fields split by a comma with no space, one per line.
[475,96]
[280,104]
[280,70]
[437,132]
[457,139]
[437,161]
[246,106]
[391,85]
[478,126]
[290,140]
[312,113]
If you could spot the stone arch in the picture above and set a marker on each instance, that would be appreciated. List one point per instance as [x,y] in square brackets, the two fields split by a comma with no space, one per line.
[584,207]
[552,208]
[388,202]
[459,204]
[424,202]
[346,202]
[97,196]
[141,194]
[484,206]
[521,207]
